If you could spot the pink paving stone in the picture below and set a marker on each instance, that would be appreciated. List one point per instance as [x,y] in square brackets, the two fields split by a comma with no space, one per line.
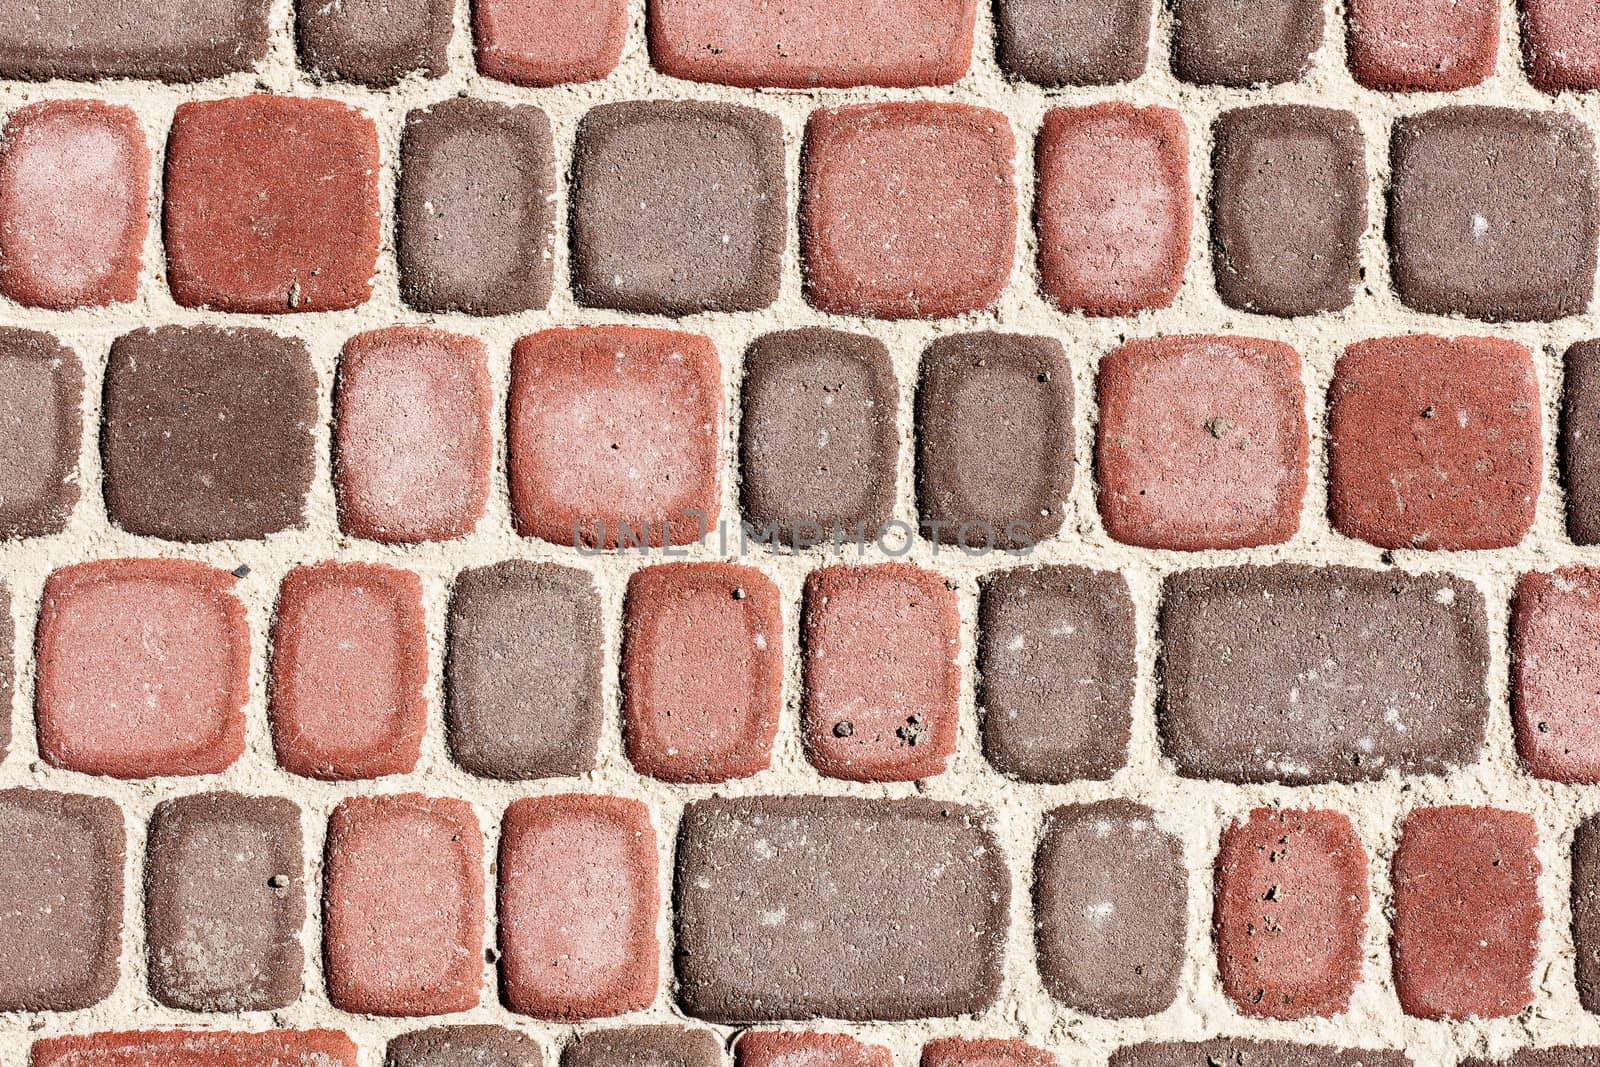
[413,444]
[789,1048]
[614,426]
[1423,45]
[402,905]
[1555,643]
[984,1052]
[1561,43]
[349,660]
[1202,442]
[74,178]
[548,42]
[578,904]
[142,669]
[1113,248]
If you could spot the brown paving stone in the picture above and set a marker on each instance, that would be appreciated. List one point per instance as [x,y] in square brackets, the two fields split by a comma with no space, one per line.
[1245,42]
[41,431]
[86,40]
[1092,42]
[374,42]
[464,1046]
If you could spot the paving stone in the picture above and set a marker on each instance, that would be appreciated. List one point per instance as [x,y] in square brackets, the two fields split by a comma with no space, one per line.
[1422,45]
[1239,1052]
[86,40]
[194,1048]
[464,1046]
[614,436]
[523,671]
[1289,206]
[224,901]
[702,671]
[1110,899]
[813,44]
[413,442]
[1585,898]
[1580,441]
[818,440]
[678,207]
[1466,912]
[992,402]
[207,432]
[143,669]
[1434,443]
[375,43]
[783,1048]
[1561,44]
[1300,674]
[271,205]
[578,907]
[74,179]
[1056,672]
[984,1052]
[1492,213]
[349,662]
[1291,909]
[1112,248]
[1201,442]
[882,685]
[1555,620]
[41,430]
[402,905]
[908,210]
[8,668]
[548,42]
[1245,42]
[803,907]
[475,208]
[644,1046]
[1559,1056]
[1097,42]
[61,879]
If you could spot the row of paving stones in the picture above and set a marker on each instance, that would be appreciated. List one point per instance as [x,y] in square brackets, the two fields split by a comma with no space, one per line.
[908,210]
[783,907]
[614,436]
[1392,45]
[1283,673]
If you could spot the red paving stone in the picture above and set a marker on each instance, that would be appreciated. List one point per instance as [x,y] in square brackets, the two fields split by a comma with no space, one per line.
[790,1048]
[1422,45]
[195,1048]
[548,42]
[1561,43]
[1555,620]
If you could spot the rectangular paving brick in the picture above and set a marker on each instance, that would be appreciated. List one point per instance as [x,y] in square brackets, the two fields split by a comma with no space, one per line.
[1580,441]
[374,43]
[86,40]
[548,42]
[645,1046]
[1555,617]
[197,1048]
[1422,45]
[1090,42]
[41,432]
[984,1052]
[1240,43]
[804,907]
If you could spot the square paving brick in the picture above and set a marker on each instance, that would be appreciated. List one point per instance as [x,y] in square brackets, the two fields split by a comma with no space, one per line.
[1302,675]
[195,1048]
[1434,443]
[224,901]
[984,1052]
[908,210]
[1580,441]
[1492,213]
[548,42]
[644,1046]
[374,42]
[1561,43]
[1238,1052]
[792,1048]
[61,879]
[992,402]
[1422,45]
[678,207]
[882,685]
[412,440]
[1113,248]
[86,40]
[523,671]
[614,436]
[475,208]
[1466,912]
[74,179]
[1201,443]
[41,431]
[1289,206]
[1555,654]
[349,662]
[464,1046]
[702,671]
[1092,42]
[813,44]
[819,443]
[271,205]
[578,907]
[1056,672]
[143,669]
[207,432]
[1245,42]
[1585,898]
[402,905]
[1291,909]
[1110,896]
[841,907]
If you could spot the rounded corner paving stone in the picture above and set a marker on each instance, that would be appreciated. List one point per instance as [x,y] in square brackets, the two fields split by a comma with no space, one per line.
[1555,620]
[1244,43]
[470,1045]
[539,43]
[1091,42]
[799,1048]
[984,1052]
[1585,902]
[1580,441]
[375,43]
[1422,45]
[1240,1052]
[90,40]
[41,431]
[645,1046]
[1561,44]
